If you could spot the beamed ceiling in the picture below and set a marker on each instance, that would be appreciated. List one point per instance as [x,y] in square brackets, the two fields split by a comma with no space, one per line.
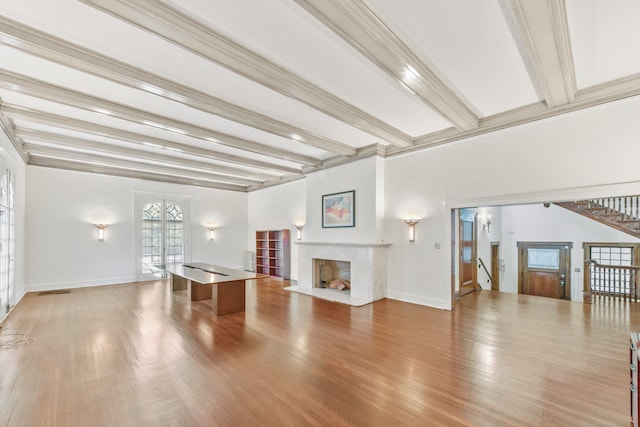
[243,94]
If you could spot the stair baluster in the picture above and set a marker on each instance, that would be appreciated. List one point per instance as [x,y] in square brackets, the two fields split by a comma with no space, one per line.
[621,213]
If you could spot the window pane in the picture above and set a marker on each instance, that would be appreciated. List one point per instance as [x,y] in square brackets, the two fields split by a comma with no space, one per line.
[467,229]
[543,258]
[611,280]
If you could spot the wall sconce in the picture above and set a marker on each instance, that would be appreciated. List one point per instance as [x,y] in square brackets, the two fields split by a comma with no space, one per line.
[487,224]
[412,228]
[299,228]
[211,230]
[101,228]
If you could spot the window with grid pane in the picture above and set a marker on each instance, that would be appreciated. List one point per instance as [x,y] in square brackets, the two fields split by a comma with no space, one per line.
[174,240]
[611,255]
[151,238]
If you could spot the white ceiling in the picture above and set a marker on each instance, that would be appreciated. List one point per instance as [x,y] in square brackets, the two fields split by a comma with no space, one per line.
[242,94]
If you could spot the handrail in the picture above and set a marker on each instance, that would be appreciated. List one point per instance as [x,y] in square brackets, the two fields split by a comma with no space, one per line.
[485,270]
[619,281]
[629,206]
[618,267]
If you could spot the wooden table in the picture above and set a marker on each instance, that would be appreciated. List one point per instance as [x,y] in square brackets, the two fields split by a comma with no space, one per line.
[224,286]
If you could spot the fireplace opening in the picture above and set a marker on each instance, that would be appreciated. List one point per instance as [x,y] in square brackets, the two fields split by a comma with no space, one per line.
[332,274]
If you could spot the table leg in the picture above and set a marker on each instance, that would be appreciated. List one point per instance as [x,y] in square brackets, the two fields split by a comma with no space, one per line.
[228,297]
[178,283]
[198,291]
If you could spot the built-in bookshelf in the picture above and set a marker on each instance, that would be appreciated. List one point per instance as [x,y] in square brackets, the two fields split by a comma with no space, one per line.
[273,256]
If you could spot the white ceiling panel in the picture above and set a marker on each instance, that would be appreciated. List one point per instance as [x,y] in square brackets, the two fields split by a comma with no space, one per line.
[606,39]
[468,44]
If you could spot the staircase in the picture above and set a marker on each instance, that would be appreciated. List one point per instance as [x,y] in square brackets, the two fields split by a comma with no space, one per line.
[621,213]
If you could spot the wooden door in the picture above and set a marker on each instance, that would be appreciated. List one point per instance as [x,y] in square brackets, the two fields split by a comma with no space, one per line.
[495,266]
[468,259]
[544,269]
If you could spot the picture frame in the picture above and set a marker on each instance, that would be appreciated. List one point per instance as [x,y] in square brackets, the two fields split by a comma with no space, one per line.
[339,209]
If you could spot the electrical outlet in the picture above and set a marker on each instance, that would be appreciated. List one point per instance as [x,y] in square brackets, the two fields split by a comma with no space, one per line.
[437,245]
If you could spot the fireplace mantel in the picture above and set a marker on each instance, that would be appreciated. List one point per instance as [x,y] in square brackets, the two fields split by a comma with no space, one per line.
[368,270]
[355,245]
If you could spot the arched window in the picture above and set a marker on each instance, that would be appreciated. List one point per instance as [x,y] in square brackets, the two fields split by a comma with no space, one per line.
[175,234]
[163,240]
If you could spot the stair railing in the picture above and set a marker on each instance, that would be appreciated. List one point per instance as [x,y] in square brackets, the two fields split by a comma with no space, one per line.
[626,205]
[485,270]
[611,281]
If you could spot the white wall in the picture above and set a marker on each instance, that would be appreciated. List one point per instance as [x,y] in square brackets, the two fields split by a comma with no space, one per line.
[279,208]
[566,157]
[535,223]
[301,201]
[360,176]
[61,240]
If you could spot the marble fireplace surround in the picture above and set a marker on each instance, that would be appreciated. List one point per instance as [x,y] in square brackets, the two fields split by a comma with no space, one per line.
[368,270]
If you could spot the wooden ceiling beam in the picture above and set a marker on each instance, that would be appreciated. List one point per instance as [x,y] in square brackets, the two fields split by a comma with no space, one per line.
[541,31]
[128,173]
[138,165]
[33,137]
[171,24]
[61,122]
[42,45]
[357,25]
[60,95]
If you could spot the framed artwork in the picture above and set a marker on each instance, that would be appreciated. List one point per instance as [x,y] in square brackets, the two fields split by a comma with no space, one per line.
[339,210]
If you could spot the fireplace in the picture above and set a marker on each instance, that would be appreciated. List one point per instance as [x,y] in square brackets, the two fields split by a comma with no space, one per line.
[331,274]
[367,271]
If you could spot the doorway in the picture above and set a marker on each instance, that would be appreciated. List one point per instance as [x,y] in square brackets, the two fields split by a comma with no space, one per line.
[495,266]
[468,253]
[543,269]
[162,228]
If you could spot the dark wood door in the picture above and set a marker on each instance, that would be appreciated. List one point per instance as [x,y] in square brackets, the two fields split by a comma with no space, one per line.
[495,266]
[468,254]
[544,269]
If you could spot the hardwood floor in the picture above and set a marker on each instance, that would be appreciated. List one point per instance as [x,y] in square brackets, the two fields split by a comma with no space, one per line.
[138,355]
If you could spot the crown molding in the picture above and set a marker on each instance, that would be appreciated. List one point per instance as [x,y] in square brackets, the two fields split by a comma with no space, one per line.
[357,25]
[373,150]
[139,139]
[173,25]
[8,129]
[125,173]
[612,91]
[35,138]
[550,58]
[60,95]
[283,180]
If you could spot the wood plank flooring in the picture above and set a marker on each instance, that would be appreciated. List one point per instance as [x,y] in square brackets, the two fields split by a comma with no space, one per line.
[138,355]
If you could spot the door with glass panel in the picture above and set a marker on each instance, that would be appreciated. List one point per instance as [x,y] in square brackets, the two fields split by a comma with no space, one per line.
[544,269]
[468,258]
[163,238]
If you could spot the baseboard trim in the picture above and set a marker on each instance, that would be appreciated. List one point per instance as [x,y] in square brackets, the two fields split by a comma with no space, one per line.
[18,299]
[414,299]
[81,284]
